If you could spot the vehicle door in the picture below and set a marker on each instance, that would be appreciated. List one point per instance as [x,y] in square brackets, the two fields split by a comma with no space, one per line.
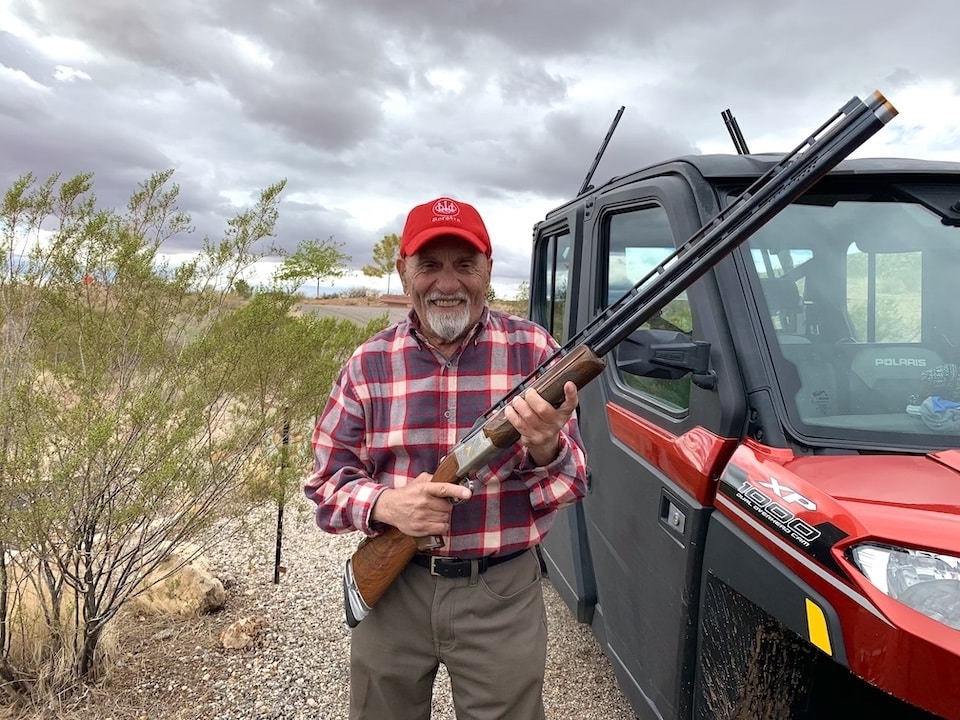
[555,278]
[654,448]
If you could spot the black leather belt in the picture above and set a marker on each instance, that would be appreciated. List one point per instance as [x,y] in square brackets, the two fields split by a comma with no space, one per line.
[451,567]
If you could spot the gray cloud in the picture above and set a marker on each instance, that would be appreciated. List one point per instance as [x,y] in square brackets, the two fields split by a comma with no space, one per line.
[362,104]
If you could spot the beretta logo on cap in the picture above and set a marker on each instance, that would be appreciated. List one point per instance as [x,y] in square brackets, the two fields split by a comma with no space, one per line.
[443,217]
[446,207]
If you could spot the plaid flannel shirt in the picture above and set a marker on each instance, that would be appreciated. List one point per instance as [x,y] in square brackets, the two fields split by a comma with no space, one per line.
[397,408]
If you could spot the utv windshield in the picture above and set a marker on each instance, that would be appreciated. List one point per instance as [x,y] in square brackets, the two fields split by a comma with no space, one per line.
[861,313]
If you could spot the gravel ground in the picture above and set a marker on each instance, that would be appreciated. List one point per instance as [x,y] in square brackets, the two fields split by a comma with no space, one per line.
[172,669]
[301,669]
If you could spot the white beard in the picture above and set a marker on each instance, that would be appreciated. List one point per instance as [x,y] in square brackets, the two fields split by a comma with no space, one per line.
[447,324]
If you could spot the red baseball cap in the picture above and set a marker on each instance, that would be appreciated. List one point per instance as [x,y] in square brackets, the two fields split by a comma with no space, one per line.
[441,217]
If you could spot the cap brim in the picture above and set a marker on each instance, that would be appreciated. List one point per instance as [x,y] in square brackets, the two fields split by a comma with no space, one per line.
[415,245]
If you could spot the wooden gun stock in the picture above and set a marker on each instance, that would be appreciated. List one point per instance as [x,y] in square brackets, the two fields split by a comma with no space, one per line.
[378,560]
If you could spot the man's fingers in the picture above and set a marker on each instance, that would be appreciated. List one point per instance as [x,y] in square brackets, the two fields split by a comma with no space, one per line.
[534,401]
[531,408]
[570,397]
[450,491]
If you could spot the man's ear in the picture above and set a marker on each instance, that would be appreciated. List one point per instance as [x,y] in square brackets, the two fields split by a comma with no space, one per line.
[401,268]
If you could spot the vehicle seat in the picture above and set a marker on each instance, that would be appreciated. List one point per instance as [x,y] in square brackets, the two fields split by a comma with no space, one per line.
[785,305]
[816,395]
[883,377]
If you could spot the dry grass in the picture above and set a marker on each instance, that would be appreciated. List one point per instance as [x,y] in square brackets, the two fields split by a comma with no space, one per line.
[161,672]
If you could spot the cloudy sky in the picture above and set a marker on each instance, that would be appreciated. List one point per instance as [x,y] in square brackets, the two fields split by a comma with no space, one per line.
[369,107]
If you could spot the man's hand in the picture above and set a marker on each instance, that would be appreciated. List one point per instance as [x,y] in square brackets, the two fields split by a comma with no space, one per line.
[539,423]
[421,508]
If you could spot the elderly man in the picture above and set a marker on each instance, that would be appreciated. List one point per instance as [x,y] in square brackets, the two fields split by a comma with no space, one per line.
[400,403]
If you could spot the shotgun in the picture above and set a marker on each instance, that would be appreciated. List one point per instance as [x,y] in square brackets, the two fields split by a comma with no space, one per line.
[378,561]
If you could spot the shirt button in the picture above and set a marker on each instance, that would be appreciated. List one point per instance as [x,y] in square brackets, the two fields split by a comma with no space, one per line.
[447,414]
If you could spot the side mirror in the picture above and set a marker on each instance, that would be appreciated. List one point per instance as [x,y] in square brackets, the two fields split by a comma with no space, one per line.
[666,355]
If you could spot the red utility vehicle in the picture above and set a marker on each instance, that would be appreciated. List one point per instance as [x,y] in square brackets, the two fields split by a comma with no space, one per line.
[772,528]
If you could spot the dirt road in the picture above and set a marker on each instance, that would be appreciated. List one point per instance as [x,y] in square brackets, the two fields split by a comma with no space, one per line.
[361,314]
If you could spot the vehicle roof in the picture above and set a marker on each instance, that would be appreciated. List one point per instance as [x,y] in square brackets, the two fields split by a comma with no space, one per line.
[725,165]
[716,167]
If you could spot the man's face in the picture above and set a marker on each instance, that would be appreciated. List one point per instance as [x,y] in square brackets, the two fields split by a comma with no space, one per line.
[447,281]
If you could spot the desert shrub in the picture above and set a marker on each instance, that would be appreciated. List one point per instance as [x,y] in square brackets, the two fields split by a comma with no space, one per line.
[139,401]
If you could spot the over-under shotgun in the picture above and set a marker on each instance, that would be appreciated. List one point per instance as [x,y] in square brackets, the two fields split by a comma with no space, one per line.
[379,560]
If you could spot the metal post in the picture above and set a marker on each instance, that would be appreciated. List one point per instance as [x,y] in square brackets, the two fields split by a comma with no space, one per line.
[281,500]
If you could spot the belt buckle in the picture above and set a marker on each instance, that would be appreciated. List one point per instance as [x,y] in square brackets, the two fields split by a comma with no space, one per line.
[433,564]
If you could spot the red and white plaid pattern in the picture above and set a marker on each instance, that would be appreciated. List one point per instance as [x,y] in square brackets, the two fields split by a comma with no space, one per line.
[398,407]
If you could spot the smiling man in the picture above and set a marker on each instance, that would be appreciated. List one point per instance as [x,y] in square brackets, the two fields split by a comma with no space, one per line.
[403,399]
[445,265]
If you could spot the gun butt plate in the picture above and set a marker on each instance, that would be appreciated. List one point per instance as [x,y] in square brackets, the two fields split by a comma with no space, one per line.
[355,607]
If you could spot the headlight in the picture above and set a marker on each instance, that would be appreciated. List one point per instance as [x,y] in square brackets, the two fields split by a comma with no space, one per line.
[926,581]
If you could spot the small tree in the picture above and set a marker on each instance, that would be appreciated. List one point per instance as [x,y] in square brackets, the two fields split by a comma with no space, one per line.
[384,258]
[522,300]
[313,259]
[136,398]
[289,362]
[243,288]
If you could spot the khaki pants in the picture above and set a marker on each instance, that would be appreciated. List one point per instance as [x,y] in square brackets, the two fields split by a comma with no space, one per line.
[490,631]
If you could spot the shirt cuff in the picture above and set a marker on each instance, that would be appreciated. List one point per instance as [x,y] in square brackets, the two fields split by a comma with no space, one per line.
[363,502]
[534,474]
